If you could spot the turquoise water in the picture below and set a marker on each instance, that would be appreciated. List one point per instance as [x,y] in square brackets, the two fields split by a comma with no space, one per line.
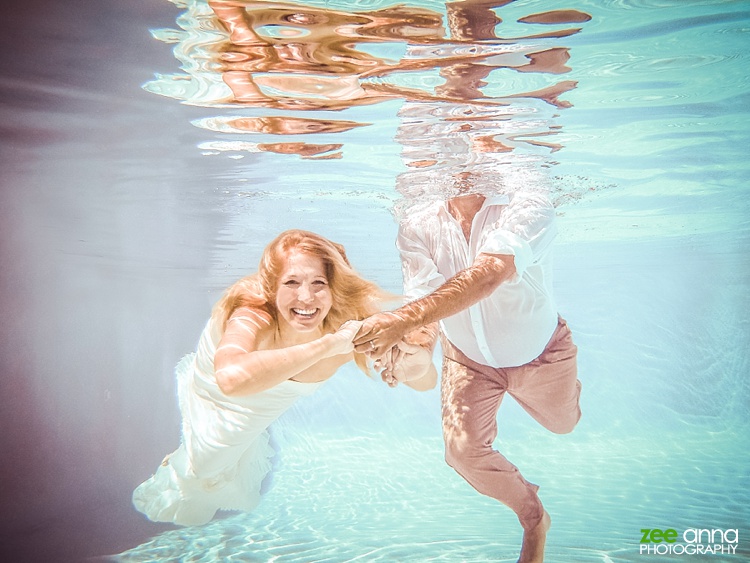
[647,160]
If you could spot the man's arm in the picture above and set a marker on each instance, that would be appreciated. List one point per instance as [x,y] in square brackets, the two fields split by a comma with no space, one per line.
[380,332]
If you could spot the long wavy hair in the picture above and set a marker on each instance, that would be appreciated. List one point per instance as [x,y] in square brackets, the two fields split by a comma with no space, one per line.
[353,298]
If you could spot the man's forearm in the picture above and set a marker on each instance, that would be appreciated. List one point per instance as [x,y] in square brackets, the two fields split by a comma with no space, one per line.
[382,331]
[460,292]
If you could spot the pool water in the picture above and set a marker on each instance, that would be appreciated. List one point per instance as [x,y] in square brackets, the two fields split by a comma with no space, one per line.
[137,185]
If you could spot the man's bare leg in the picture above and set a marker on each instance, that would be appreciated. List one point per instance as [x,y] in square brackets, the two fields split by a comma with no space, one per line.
[532,549]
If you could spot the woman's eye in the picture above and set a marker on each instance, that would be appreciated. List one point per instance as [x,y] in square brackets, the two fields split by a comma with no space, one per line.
[290,283]
[320,283]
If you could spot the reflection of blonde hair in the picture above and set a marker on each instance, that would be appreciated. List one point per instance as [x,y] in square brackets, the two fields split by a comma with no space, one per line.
[352,296]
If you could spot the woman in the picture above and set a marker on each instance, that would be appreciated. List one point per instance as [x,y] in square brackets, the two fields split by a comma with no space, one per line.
[273,337]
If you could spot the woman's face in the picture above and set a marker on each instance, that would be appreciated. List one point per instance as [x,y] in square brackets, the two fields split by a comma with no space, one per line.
[303,297]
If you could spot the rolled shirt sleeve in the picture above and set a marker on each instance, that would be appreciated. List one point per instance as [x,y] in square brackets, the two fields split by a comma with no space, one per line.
[525,231]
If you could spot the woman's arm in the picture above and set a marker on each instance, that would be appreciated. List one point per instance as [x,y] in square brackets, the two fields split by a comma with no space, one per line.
[243,369]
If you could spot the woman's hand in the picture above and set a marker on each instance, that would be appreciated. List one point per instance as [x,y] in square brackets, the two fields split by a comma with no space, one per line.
[384,365]
[342,338]
[380,333]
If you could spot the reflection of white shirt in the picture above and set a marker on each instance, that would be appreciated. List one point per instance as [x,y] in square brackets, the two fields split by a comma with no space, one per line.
[512,326]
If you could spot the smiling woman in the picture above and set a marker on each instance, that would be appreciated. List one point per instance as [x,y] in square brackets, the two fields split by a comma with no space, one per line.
[303,297]
[273,337]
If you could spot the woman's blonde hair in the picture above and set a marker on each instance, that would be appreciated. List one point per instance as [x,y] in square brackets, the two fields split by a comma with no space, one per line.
[352,296]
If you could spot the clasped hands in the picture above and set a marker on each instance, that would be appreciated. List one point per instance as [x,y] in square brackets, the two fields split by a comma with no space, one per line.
[380,337]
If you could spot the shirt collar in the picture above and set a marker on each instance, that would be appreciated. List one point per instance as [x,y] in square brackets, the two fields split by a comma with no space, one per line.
[500,199]
[489,201]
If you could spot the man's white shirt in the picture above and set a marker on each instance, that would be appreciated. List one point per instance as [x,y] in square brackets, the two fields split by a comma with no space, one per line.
[513,325]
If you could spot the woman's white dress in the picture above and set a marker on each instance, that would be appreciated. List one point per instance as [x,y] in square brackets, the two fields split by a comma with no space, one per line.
[225,454]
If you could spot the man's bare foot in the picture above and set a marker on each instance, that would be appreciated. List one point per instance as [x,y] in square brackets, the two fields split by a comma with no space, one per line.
[532,549]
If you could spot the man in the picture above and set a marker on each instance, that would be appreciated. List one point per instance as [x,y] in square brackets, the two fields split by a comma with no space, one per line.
[482,267]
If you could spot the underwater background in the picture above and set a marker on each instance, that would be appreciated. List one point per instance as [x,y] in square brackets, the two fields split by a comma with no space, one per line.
[136,185]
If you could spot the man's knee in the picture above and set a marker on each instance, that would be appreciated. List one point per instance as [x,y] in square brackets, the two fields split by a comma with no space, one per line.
[480,467]
[465,457]
[464,465]
[565,425]
[453,458]
[566,428]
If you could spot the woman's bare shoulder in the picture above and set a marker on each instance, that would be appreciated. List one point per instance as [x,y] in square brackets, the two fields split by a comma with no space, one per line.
[248,329]
[255,316]
[251,323]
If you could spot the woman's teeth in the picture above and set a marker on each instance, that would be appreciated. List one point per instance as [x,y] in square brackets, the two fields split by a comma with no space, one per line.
[304,312]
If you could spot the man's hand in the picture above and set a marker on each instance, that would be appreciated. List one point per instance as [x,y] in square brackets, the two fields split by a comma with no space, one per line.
[379,333]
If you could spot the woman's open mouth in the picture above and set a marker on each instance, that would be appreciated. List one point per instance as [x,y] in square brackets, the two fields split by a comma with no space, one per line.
[305,313]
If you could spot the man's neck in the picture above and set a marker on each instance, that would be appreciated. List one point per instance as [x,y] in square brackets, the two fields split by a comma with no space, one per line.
[464,208]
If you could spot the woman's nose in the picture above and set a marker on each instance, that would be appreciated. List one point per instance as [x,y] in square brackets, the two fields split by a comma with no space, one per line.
[305,293]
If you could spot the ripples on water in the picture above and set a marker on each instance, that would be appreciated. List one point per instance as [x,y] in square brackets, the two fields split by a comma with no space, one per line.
[280,66]
[483,87]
